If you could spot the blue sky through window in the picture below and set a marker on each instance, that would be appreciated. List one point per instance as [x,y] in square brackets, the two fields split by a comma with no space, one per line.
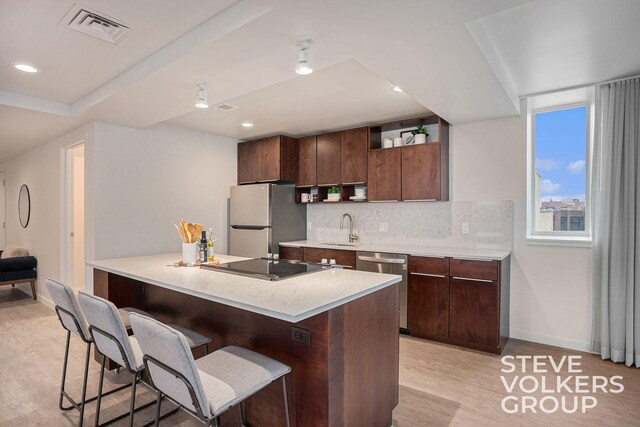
[561,150]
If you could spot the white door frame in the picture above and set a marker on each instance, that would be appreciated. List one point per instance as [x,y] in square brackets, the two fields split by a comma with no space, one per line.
[67,220]
[3,214]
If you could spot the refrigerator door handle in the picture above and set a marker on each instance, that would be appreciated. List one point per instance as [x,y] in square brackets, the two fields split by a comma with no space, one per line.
[249,227]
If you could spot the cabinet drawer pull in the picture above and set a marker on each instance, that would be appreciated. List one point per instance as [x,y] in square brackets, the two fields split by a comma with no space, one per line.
[353,183]
[419,200]
[305,186]
[474,280]
[441,276]
[474,259]
[381,260]
[328,185]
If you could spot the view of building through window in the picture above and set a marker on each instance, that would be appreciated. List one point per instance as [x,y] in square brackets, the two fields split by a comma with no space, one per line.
[560,170]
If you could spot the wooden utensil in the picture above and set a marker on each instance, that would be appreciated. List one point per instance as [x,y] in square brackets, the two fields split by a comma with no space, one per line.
[181,233]
[192,232]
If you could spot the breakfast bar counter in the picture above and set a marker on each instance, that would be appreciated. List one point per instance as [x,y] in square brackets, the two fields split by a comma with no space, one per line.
[337,329]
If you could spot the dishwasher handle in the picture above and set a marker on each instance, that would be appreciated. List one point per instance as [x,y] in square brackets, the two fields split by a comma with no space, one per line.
[381,260]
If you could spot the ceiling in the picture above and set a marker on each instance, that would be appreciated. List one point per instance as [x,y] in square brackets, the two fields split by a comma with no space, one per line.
[465,60]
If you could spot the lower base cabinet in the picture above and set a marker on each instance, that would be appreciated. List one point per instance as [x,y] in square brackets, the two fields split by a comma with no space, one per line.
[428,308]
[460,301]
[474,312]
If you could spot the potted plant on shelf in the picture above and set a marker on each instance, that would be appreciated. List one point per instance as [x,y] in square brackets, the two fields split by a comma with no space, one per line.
[420,134]
[334,194]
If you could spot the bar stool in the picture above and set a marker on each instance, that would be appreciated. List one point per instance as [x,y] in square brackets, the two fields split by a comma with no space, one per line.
[73,321]
[112,340]
[209,386]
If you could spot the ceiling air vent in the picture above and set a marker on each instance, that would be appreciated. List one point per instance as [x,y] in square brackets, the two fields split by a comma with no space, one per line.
[94,24]
[226,107]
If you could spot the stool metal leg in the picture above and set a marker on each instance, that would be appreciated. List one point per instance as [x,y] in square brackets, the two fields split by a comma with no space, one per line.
[158,408]
[84,384]
[64,373]
[286,401]
[133,399]
[100,391]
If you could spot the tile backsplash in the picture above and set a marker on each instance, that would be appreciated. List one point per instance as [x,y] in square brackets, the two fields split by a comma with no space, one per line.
[417,223]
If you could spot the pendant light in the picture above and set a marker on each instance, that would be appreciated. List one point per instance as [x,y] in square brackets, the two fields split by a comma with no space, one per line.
[201,101]
[304,64]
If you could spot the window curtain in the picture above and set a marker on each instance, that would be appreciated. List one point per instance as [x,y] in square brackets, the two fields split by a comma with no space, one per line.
[616,221]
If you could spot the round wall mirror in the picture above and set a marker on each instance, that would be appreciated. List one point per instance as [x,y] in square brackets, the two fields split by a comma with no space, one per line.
[24,206]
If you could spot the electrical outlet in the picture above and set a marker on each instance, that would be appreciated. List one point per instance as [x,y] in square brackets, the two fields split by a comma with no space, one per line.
[384,227]
[465,228]
[301,335]
[309,225]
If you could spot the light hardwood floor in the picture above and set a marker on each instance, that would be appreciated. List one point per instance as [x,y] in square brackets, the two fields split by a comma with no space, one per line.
[439,384]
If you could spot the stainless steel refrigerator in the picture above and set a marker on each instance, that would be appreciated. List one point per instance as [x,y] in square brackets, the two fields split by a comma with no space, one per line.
[262,216]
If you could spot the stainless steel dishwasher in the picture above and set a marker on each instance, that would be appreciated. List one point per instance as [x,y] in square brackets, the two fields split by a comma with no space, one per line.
[380,262]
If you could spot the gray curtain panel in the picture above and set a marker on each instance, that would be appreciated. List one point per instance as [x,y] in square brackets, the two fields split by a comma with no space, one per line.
[616,220]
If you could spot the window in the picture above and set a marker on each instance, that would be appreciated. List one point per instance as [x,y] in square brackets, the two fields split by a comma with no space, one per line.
[559,173]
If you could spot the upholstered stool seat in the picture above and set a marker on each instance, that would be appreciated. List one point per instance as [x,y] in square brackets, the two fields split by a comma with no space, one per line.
[124,315]
[209,386]
[232,374]
[194,338]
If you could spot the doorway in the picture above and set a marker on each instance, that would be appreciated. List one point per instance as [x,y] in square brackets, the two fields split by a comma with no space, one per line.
[74,217]
[3,212]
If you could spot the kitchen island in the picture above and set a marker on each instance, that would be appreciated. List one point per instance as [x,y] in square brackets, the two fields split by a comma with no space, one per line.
[337,329]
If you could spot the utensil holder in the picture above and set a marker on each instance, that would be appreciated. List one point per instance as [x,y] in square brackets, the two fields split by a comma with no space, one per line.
[190,253]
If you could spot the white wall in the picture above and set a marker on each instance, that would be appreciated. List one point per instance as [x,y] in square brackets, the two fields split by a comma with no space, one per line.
[138,183]
[147,180]
[550,285]
[41,170]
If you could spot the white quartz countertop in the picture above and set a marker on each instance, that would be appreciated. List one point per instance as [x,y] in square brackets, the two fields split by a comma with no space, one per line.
[293,299]
[465,253]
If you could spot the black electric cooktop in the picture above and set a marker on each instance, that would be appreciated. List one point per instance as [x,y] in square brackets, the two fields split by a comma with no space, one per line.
[267,269]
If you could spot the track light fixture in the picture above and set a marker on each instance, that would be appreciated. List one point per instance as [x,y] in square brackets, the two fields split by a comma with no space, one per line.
[304,64]
[201,101]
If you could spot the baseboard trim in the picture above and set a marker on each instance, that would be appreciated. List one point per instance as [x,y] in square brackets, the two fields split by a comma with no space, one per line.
[567,343]
[46,302]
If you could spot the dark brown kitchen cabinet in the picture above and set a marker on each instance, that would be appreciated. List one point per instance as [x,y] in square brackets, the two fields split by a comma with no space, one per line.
[306,162]
[291,253]
[460,301]
[328,159]
[474,312]
[267,160]
[428,301]
[344,258]
[422,173]
[385,174]
[354,144]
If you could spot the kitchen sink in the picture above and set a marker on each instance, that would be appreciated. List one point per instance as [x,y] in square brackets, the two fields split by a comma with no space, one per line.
[339,244]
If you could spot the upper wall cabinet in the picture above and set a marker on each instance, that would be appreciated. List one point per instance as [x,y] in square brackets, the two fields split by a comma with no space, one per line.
[306,162]
[267,160]
[354,144]
[423,169]
[328,160]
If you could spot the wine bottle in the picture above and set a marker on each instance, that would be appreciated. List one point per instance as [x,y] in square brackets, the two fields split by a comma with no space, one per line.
[210,257]
[203,247]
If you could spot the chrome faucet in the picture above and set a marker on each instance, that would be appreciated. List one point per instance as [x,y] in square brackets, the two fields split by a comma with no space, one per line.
[352,236]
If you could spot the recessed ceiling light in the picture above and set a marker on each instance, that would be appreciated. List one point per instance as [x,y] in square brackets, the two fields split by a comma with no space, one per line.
[396,89]
[247,125]
[26,68]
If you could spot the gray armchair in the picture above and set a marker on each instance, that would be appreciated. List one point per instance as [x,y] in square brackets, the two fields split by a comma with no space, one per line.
[19,270]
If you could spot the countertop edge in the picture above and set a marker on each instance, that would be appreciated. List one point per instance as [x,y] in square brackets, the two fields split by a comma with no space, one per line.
[243,306]
[433,251]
